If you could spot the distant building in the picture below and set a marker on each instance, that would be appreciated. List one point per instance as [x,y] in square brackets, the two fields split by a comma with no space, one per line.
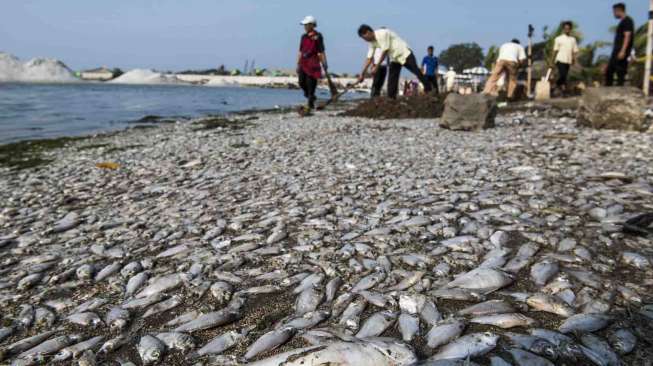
[100,74]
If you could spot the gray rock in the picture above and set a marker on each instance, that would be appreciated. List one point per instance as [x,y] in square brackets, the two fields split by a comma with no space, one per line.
[469,112]
[621,108]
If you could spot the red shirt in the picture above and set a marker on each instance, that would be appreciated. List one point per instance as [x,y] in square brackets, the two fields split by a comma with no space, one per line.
[311,45]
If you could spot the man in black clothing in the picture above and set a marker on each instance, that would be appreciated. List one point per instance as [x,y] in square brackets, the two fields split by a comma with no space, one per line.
[623,45]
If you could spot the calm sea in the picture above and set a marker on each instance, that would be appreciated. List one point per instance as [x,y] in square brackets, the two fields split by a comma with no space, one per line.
[34,111]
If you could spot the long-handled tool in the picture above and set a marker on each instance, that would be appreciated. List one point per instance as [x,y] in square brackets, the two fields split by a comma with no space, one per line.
[335,96]
[332,86]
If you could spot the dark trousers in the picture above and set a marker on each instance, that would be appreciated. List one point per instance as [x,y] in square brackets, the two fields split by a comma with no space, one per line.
[433,80]
[395,73]
[563,73]
[308,85]
[619,67]
[379,80]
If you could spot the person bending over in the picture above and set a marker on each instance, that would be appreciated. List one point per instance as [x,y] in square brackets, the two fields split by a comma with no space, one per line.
[397,50]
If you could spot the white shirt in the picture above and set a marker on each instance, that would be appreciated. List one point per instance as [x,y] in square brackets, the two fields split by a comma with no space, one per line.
[451,77]
[512,52]
[387,40]
[566,46]
[377,57]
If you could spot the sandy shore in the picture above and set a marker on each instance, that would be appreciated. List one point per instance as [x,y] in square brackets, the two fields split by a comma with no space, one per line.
[258,81]
[263,201]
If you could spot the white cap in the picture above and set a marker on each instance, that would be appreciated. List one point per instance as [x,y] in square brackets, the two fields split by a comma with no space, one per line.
[309,20]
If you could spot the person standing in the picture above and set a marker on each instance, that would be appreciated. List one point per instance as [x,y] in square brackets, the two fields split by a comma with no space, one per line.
[450,76]
[623,45]
[430,65]
[565,49]
[397,50]
[311,59]
[379,76]
[511,56]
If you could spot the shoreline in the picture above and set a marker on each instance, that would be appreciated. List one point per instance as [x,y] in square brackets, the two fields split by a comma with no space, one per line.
[30,150]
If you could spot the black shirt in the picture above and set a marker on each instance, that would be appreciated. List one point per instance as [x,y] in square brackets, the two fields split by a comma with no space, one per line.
[625,25]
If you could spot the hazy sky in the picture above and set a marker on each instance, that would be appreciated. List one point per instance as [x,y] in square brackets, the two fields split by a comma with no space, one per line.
[182,34]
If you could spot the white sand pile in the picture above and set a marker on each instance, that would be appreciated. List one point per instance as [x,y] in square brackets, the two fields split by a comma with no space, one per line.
[39,70]
[142,76]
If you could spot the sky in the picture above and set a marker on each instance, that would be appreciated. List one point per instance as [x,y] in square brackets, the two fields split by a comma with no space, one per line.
[197,34]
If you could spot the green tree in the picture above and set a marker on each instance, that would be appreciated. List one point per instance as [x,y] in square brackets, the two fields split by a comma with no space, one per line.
[491,57]
[462,56]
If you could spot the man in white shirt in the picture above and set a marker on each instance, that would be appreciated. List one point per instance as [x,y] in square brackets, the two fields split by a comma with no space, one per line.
[451,79]
[565,49]
[511,56]
[397,50]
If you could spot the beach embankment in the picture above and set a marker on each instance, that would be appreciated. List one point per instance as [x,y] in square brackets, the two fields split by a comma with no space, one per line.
[258,81]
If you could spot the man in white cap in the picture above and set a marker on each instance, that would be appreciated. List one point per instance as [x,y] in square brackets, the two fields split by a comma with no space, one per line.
[311,60]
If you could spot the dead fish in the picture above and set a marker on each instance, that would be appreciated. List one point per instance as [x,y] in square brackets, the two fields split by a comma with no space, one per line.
[408,326]
[368,282]
[151,350]
[534,344]
[525,358]
[308,320]
[269,341]
[488,308]
[307,301]
[332,288]
[85,319]
[623,341]
[162,306]
[600,348]
[210,320]
[550,304]
[407,282]
[542,271]
[134,283]
[484,280]
[376,324]
[177,341]
[221,343]
[350,318]
[471,345]
[107,271]
[76,350]
[444,332]
[505,321]
[118,318]
[374,352]
[114,343]
[160,285]
[585,323]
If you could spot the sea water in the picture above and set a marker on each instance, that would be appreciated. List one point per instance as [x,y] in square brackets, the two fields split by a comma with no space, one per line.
[35,111]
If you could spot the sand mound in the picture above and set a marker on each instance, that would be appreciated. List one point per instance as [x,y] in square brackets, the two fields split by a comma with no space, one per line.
[423,106]
[143,76]
[40,70]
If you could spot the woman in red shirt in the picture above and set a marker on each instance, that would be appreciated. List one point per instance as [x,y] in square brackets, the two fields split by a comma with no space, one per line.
[311,60]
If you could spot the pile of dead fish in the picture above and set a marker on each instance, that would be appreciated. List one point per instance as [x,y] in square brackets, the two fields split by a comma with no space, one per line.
[332,241]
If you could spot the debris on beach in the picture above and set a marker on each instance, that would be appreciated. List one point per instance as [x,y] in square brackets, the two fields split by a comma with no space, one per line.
[422,106]
[337,240]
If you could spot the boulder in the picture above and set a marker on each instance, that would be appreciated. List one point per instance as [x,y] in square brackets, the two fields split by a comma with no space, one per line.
[469,112]
[616,108]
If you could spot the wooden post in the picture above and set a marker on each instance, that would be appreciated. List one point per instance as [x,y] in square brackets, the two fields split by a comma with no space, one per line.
[649,46]
[529,81]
